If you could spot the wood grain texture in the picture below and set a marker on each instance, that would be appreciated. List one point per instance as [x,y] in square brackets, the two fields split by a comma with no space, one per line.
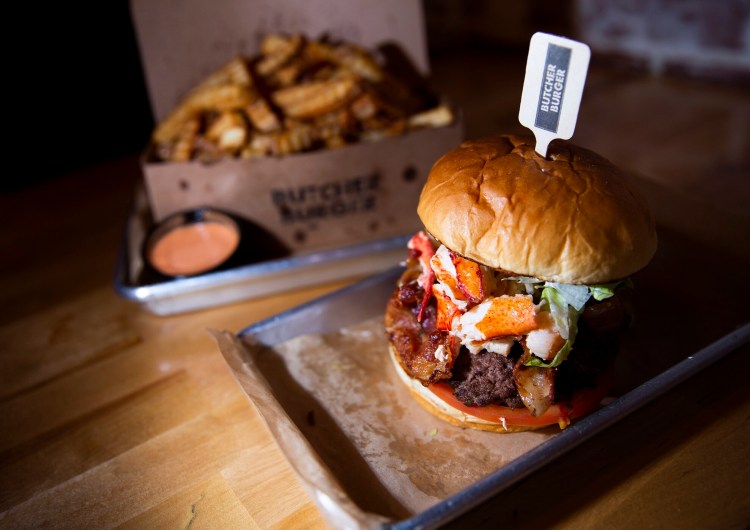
[112,417]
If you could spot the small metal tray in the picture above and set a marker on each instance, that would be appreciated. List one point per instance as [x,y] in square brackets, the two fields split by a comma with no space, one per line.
[167,296]
[345,307]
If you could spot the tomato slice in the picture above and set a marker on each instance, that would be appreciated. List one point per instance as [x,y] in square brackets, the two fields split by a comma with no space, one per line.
[584,401]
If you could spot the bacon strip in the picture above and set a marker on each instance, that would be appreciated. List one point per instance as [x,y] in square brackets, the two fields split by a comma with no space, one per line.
[535,385]
[425,353]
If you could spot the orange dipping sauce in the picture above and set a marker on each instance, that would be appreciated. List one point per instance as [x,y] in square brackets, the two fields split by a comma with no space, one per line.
[194,248]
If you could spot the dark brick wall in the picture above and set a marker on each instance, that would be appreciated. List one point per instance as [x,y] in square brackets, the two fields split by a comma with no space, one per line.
[701,38]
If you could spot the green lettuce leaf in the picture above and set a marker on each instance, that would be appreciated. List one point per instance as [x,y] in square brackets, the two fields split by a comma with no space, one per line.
[566,303]
[574,295]
[558,307]
[563,353]
[607,290]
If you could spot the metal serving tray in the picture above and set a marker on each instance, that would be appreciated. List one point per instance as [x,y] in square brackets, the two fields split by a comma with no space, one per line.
[346,307]
[163,296]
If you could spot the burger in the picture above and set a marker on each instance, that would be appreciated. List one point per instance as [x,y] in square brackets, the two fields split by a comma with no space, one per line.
[508,313]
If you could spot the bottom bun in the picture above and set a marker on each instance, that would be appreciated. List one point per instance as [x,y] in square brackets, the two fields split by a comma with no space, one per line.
[439,400]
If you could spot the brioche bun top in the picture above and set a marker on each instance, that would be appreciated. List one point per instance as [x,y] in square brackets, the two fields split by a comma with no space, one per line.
[568,218]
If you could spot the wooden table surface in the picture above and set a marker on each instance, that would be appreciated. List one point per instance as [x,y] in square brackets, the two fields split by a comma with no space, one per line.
[113,417]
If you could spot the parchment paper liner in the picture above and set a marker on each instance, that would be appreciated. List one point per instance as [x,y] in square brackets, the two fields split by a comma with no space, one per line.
[370,455]
[367,453]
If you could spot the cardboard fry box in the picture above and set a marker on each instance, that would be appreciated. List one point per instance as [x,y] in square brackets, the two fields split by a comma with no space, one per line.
[310,201]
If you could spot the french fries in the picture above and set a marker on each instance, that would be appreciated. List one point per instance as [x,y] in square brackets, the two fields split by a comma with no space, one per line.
[297,95]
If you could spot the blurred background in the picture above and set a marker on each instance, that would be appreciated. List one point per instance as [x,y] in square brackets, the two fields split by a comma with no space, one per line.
[78,95]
